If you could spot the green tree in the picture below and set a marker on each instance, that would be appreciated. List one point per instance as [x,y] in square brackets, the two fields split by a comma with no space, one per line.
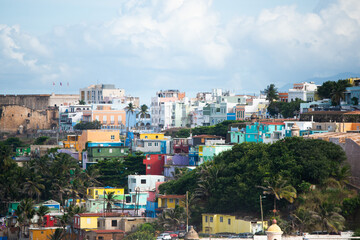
[271,93]
[25,212]
[58,234]
[110,200]
[143,111]
[82,102]
[326,89]
[172,218]
[88,125]
[129,111]
[41,212]
[280,188]
[41,140]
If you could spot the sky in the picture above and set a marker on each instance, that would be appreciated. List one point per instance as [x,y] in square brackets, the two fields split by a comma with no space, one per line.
[144,46]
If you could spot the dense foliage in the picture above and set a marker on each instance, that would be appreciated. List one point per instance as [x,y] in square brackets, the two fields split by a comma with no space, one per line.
[220,129]
[333,90]
[286,109]
[271,93]
[236,178]
[57,177]
[114,172]
[88,125]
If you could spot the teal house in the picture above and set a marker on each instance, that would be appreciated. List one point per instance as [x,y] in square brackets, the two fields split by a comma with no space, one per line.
[266,132]
[208,152]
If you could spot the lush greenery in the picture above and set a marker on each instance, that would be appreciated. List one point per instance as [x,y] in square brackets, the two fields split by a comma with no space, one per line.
[285,170]
[57,177]
[286,109]
[271,93]
[114,172]
[88,125]
[333,90]
[219,129]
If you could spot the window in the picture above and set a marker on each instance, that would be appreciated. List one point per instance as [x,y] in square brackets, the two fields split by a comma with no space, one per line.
[157,136]
[112,137]
[159,157]
[122,150]
[96,192]
[211,219]
[100,238]
[156,144]
[88,220]
[229,221]
[206,218]
[110,150]
[171,200]
[113,223]
[99,150]
[149,144]
[221,219]
[143,181]
[149,166]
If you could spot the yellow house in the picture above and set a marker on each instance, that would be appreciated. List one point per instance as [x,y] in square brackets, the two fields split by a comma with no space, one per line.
[72,142]
[170,201]
[95,192]
[89,221]
[41,233]
[97,135]
[152,136]
[217,223]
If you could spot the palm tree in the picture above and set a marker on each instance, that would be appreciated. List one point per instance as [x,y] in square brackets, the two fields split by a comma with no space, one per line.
[271,93]
[143,111]
[110,200]
[280,189]
[33,186]
[41,212]
[329,218]
[172,218]
[25,212]
[129,110]
[208,175]
[57,235]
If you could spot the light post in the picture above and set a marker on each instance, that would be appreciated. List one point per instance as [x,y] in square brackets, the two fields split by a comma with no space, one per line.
[262,215]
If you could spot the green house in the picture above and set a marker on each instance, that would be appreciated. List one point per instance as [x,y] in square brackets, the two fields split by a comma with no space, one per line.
[22,151]
[103,151]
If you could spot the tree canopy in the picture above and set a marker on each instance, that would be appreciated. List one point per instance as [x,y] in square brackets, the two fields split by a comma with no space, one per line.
[271,93]
[333,90]
[88,125]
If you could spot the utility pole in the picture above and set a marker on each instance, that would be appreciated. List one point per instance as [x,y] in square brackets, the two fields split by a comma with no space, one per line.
[187,211]
[262,216]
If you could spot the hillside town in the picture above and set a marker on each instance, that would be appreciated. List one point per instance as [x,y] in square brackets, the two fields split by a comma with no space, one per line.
[100,165]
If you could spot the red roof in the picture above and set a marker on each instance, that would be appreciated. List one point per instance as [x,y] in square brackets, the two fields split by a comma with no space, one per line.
[206,136]
[108,231]
[172,196]
[273,123]
[109,214]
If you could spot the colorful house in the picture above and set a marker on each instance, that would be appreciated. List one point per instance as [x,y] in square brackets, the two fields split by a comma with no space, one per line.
[97,136]
[170,201]
[99,151]
[96,192]
[152,136]
[154,164]
[72,142]
[207,153]
[41,233]
[217,223]
[23,151]
[108,117]
[88,221]
[143,183]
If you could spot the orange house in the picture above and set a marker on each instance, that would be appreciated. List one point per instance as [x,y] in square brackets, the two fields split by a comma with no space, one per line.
[106,116]
[98,135]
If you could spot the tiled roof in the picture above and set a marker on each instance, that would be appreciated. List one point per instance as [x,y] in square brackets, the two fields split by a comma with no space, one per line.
[172,196]
[206,136]
[108,231]
[108,214]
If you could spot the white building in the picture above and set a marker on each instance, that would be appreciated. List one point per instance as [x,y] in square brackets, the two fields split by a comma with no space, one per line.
[304,91]
[102,93]
[143,183]
[162,108]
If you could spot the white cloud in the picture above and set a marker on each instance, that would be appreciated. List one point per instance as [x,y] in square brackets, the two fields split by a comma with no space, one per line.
[173,42]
